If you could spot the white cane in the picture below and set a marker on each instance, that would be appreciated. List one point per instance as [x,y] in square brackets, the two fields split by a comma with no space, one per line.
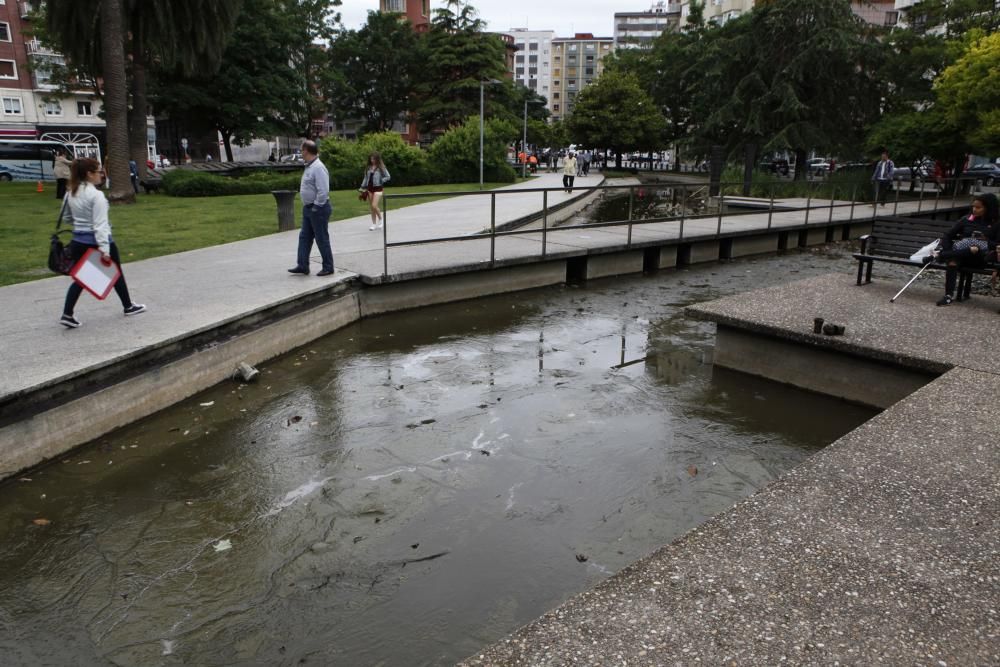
[922,269]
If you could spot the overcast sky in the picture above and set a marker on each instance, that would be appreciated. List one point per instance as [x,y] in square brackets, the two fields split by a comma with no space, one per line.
[566,17]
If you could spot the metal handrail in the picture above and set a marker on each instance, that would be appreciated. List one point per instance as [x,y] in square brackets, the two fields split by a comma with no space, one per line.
[686,195]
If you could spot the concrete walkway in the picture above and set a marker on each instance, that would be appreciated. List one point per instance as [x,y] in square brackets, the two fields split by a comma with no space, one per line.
[194,291]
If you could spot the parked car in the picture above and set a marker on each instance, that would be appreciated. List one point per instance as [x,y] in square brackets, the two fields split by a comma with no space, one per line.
[778,165]
[818,166]
[987,172]
[855,166]
[924,170]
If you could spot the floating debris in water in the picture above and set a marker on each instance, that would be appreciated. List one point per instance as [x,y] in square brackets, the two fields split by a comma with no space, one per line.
[207,405]
[223,545]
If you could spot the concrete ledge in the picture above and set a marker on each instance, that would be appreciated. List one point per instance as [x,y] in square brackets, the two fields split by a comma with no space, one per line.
[750,245]
[817,236]
[27,443]
[852,378]
[600,266]
[668,257]
[698,252]
[443,289]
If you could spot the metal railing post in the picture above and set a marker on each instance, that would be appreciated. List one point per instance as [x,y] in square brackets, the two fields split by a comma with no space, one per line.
[718,226]
[895,203]
[385,237]
[954,193]
[809,199]
[493,229]
[545,219]
[631,201]
[920,201]
[770,208]
[684,192]
[854,197]
[937,198]
[833,198]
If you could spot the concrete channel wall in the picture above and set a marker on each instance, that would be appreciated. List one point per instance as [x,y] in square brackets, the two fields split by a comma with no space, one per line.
[47,423]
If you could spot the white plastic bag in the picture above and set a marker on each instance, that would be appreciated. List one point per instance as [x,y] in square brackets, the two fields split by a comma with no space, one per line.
[928,249]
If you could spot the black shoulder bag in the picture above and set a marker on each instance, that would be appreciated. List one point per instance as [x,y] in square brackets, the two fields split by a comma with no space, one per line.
[60,258]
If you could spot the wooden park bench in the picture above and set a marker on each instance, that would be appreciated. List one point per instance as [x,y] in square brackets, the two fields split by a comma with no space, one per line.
[894,239]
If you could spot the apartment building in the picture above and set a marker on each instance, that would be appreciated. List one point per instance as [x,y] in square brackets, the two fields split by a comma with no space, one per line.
[576,62]
[532,65]
[717,11]
[31,106]
[417,12]
[640,29]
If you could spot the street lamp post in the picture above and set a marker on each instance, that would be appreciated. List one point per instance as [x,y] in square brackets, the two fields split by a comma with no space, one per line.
[482,112]
[524,140]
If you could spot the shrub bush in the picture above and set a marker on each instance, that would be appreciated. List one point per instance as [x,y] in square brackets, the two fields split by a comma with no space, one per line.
[187,183]
[455,155]
[346,160]
[840,186]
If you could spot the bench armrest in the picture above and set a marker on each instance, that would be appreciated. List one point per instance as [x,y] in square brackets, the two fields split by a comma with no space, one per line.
[865,240]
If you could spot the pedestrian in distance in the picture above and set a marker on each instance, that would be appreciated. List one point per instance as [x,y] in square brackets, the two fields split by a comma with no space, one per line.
[372,187]
[314,190]
[586,158]
[86,208]
[569,171]
[61,170]
[133,175]
[969,243]
[882,177]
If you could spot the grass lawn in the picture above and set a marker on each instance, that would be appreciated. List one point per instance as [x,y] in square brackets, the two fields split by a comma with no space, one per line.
[160,225]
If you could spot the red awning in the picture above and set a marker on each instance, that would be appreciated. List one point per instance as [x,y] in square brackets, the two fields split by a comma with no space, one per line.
[18,133]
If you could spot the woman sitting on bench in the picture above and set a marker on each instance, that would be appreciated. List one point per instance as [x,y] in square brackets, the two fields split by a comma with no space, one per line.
[968,242]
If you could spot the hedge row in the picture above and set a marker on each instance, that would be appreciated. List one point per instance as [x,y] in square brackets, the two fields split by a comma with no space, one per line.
[185,183]
[453,158]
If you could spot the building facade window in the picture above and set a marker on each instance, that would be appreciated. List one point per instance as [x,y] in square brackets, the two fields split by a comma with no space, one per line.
[395,6]
[8,70]
[53,108]
[84,109]
[4,32]
[12,106]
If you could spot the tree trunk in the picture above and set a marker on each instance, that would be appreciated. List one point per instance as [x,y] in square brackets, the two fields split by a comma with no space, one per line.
[618,159]
[226,143]
[115,102]
[800,164]
[137,131]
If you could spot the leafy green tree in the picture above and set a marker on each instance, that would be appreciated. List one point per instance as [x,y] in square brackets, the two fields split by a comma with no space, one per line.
[188,34]
[373,71]
[458,55]
[791,74]
[968,94]
[262,86]
[615,112]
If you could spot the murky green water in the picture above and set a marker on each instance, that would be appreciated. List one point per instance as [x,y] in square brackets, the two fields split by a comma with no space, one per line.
[407,490]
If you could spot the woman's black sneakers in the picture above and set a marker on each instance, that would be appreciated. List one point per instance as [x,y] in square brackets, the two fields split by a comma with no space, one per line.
[945,300]
[69,321]
[135,309]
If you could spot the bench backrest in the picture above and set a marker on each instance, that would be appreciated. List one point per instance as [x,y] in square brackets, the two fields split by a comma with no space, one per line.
[901,237]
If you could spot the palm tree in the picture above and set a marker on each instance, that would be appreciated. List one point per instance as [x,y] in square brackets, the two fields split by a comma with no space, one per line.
[183,34]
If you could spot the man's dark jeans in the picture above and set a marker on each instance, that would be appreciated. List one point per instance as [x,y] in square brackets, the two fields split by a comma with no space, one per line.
[882,190]
[314,228]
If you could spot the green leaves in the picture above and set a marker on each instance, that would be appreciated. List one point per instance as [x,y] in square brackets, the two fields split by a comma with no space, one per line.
[615,112]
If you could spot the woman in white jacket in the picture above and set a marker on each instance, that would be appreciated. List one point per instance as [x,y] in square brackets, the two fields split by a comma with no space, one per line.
[86,208]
